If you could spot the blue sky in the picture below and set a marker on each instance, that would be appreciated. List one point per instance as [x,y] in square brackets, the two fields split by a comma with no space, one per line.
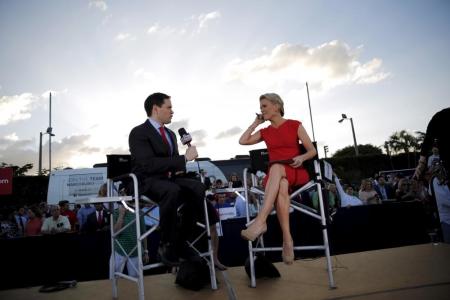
[384,63]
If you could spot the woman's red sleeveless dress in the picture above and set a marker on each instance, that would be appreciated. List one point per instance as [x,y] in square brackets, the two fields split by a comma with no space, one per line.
[283,143]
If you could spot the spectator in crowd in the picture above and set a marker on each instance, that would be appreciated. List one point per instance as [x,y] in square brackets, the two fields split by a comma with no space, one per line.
[347,197]
[45,210]
[35,221]
[65,211]
[214,219]
[331,193]
[441,193]
[434,157]
[241,205]
[57,223]
[82,215]
[437,136]
[98,219]
[222,200]
[127,239]
[418,190]
[235,181]
[76,209]
[383,189]
[367,194]
[395,181]
[21,220]
[404,192]
[212,180]
[8,227]
[218,184]
[151,219]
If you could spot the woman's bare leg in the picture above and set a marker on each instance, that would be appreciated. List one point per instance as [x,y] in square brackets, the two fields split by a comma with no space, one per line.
[277,173]
[282,206]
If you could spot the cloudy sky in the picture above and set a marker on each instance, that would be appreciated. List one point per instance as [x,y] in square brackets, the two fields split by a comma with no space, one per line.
[383,63]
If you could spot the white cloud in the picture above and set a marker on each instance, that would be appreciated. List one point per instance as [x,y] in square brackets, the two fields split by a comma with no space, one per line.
[165,30]
[17,152]
[12,137]
[229,132]
[153,29]
[142,74]
[325,66]
[198,137]
[100,4]
[194,25]
[204,19]
[124,36]
[15,108]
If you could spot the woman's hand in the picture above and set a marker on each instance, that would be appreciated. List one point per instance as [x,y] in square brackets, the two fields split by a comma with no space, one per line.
[258,121]
[298,161]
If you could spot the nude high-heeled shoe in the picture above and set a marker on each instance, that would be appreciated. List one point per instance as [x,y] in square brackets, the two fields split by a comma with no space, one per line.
[253,231]
[288,253]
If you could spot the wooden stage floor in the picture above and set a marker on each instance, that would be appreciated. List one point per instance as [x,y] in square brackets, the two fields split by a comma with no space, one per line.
[412,272]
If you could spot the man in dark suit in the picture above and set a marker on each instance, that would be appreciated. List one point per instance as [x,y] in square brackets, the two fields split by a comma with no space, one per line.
[158,165]
[383,189]
[97,220]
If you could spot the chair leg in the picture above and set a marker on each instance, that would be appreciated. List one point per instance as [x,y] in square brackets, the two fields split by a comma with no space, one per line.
[251,258]
[325,236]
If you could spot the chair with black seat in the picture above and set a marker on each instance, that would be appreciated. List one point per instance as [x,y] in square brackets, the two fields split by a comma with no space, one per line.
[119,174]
[260,162]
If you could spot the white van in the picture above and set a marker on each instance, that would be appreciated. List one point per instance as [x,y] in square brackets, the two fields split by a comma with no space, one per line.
[73,184]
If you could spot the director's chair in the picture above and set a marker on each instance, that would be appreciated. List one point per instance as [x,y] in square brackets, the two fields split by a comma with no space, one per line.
[259,162]
[119,171]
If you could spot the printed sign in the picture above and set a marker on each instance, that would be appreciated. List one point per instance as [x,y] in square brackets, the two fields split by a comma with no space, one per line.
[84,184]
[6,177]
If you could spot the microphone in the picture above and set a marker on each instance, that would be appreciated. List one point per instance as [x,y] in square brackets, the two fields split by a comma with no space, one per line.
[185,137]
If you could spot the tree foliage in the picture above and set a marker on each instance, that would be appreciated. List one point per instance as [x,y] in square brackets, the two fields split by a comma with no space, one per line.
[366,149]
[18,171]
[403,141]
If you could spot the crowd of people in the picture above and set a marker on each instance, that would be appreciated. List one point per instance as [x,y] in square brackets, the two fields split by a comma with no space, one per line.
[46,219]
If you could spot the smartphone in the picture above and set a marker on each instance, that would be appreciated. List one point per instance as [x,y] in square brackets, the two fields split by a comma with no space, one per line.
[259,116]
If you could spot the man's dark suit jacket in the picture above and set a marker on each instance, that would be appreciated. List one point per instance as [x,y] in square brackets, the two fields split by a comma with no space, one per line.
[389,191]
[92,222]
[150,156]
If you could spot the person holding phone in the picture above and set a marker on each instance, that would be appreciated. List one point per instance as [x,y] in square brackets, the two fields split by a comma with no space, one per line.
[286,170]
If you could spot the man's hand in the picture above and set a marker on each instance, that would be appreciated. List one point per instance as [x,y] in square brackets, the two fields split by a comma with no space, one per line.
[421,166]
[122,210]
[191,153]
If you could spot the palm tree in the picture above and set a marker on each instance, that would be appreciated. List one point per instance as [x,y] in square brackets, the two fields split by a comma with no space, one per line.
[403,141]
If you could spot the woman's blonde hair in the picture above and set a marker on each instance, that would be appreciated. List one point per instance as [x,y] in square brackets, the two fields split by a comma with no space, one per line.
[274,99]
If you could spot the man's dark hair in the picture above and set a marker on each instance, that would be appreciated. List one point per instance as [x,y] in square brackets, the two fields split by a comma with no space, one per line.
[154,99]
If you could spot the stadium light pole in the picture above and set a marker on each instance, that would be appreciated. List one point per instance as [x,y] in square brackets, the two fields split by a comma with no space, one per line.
[50,134]
[344,117]
[40,151]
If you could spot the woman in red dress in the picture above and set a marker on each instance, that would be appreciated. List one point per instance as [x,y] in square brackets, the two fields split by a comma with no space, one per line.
[282,138]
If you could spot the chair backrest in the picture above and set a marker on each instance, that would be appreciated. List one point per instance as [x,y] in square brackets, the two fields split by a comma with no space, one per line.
[259,160]
[118,164]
